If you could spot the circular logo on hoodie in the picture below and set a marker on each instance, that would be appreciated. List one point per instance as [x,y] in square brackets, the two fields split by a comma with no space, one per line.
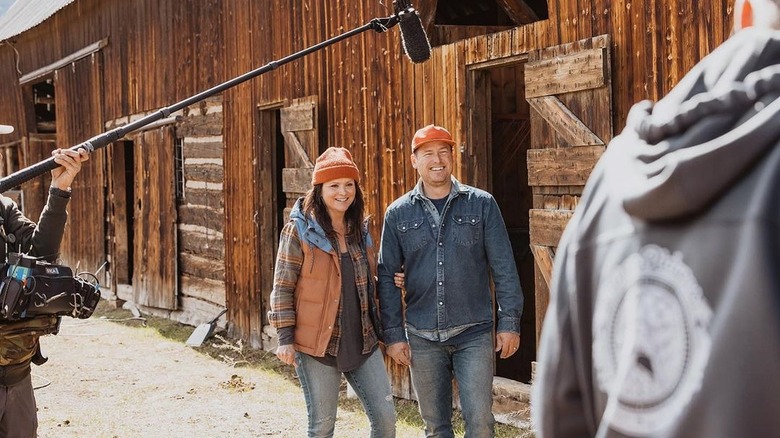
[650,341]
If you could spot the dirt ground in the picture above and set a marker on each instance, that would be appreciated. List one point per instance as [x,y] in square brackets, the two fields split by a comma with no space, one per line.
[104,379]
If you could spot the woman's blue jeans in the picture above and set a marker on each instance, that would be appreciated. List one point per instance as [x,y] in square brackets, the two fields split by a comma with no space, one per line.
[321,384]
[471,363]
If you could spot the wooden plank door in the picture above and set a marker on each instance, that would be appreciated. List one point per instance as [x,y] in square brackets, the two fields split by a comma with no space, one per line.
[301,147]
[154,237]
[569,90]
[79,103]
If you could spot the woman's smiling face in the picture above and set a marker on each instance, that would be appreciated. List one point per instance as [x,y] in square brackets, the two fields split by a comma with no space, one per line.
[338,195]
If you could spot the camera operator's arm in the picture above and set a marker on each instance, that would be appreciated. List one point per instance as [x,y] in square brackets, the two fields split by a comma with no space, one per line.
[44,239]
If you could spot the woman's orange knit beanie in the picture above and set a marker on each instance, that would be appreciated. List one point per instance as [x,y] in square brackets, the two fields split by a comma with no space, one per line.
[334,163]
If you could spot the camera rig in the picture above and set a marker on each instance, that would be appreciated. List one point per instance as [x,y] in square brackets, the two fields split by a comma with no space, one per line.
[31,287]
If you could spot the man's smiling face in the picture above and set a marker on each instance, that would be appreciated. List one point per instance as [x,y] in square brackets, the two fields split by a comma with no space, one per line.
[433,161]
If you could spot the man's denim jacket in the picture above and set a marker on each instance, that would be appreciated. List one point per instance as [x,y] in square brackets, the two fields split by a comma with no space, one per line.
[447,262]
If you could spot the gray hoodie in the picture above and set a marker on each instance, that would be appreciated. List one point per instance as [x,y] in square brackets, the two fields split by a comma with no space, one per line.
[664,317]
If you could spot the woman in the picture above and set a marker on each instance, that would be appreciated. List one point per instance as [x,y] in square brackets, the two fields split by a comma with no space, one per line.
[322,303]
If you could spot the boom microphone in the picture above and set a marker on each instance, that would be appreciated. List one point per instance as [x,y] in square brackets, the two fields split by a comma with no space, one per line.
[413,37]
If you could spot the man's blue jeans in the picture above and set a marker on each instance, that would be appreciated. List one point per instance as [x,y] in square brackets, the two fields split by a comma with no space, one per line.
[471,362]
[321,383]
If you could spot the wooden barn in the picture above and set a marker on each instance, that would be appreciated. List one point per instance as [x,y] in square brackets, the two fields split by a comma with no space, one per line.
[187,210]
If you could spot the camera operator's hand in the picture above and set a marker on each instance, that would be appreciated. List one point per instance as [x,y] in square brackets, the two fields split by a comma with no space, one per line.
[70,165]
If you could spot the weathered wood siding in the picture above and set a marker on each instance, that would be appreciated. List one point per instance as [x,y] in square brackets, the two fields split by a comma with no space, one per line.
[80,116]
[155,54]
[370,99]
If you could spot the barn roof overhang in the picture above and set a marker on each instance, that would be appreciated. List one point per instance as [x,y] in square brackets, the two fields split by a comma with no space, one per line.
[23,15]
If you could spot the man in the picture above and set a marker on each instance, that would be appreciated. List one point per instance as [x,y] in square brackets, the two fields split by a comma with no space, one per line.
[449,239]
[19,339]
[664,318]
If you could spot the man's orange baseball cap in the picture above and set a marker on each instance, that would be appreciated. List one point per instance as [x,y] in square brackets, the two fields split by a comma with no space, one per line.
[431,133]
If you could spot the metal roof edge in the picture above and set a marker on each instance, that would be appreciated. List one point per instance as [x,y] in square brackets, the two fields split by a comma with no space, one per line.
[23,15]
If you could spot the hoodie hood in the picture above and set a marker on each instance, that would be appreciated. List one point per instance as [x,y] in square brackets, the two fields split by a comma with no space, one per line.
[309,231]
[678,156]
[312,233]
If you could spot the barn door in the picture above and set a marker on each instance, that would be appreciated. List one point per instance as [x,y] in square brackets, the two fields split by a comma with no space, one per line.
[301,147]
[79,104]
[568,88]
[154,237]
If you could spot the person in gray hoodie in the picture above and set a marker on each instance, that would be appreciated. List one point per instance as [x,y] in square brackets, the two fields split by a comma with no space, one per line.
[664,315]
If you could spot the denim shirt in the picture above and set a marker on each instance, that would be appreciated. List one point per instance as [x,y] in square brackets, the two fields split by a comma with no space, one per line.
[448,261]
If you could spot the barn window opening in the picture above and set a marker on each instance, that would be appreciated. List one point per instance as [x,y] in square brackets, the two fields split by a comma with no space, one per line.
[453,20]
[45,110]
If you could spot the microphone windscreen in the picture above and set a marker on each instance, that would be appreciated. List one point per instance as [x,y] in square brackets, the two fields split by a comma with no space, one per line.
[413,38]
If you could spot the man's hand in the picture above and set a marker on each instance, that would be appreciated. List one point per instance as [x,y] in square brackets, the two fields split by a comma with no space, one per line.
[400,353]
[70,165]
[398,280]
[507,343]
[286,353]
